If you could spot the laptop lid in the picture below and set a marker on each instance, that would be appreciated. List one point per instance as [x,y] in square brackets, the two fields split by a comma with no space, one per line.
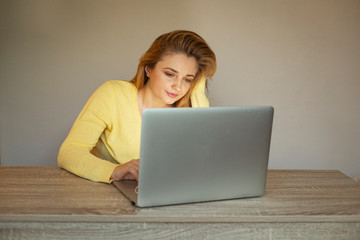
[203,154]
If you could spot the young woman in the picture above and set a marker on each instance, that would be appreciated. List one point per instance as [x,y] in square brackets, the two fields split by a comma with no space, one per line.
[104,142]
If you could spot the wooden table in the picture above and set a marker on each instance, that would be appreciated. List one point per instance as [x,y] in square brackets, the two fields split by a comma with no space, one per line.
[48,202]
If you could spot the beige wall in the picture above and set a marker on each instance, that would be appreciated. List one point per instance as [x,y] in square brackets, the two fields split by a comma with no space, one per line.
[301,56]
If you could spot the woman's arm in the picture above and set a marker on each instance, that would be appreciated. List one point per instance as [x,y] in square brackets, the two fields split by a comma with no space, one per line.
[198,97]
[75,153]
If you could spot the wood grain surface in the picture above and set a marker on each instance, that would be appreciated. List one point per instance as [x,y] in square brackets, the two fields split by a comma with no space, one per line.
[300,202]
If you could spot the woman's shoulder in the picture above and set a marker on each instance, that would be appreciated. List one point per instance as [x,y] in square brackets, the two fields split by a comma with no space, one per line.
[119,86]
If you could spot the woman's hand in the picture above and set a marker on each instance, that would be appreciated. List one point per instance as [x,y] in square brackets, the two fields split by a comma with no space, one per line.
[129,170]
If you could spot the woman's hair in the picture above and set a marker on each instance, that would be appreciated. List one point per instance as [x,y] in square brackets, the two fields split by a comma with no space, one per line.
[178,41]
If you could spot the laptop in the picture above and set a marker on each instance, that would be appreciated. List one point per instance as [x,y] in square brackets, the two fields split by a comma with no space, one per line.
[192,155]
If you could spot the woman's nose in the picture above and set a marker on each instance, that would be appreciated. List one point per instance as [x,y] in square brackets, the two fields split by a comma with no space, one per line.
[177,84]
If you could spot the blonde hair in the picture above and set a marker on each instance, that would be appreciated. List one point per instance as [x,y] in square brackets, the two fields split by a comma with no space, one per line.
[179,41]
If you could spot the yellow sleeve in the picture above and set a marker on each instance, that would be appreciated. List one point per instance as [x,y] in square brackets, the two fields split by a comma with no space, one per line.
[75,153]
[198,97]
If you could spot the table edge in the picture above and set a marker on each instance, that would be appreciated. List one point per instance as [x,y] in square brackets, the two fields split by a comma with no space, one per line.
[151,219]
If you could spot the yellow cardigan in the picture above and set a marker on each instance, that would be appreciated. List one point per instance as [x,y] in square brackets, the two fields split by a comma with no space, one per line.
[107,131]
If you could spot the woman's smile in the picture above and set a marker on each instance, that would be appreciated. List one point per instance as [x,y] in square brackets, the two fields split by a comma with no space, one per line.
[172,95]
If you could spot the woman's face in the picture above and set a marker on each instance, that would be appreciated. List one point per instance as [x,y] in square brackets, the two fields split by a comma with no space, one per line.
[171,78]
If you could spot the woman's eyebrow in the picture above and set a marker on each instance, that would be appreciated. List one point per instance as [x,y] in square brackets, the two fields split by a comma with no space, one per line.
[171,69]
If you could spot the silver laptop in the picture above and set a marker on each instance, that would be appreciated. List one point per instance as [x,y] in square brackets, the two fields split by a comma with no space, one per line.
[201,154]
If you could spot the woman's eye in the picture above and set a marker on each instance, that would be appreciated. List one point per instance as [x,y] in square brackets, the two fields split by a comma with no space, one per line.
[188,80]
[169,74]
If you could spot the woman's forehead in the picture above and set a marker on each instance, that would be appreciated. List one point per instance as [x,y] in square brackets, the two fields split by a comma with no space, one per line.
[180,62]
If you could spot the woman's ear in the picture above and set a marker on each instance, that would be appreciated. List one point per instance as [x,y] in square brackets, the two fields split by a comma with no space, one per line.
[147,71]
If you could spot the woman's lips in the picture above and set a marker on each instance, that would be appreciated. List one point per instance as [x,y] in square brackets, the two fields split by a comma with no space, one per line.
[172,95]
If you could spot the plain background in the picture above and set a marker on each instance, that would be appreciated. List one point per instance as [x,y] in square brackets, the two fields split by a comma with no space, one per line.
[300,56]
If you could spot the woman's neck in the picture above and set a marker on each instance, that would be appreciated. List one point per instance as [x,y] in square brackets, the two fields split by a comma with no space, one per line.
[146,99]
